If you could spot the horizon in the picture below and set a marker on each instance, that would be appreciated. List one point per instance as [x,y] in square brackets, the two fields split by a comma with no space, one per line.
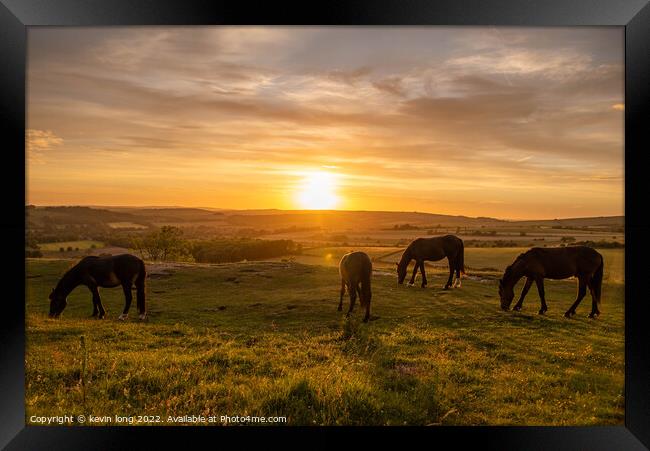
[154,207]
[501,122]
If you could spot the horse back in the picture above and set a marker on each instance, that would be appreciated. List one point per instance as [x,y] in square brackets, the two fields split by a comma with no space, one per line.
[435,248]
[355,267]
[564,262]
[112,270]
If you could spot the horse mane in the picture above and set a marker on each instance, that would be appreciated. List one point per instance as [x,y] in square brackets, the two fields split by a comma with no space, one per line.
[67,277]
[520,257]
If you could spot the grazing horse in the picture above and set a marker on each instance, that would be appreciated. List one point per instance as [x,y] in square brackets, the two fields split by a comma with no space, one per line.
[554,263]
[106,272]
[433,249]
[355,269]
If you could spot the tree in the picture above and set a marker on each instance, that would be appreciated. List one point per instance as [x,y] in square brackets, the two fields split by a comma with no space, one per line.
[163,244]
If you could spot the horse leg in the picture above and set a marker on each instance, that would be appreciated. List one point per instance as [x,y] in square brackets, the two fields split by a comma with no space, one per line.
[540,289]
[594,301]
[524,292]
[451,276]
[582,290]
[424,276]
[366,318]
[95,308]
[128,297]
[415,271]
[98,301]
[457,281]
[353,287]
[342,293]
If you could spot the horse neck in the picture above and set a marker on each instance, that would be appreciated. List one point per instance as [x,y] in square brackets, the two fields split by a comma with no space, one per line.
[406,257]
[69,282]
[516,273]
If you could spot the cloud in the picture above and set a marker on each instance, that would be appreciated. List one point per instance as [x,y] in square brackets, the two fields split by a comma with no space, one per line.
[481,107]
[42,140]
[390,85]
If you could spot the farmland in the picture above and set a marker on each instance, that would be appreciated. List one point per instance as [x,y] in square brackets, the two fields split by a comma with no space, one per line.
[264,338]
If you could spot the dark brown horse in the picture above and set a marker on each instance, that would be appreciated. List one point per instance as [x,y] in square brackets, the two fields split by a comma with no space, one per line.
[433,249]
[555,263]
[106,272]
[356,271]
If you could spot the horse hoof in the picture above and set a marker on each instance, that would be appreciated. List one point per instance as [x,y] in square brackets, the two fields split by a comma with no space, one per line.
[568,314]
[541,312]
[123,317]
[340,309]
[142,316]
[516,308]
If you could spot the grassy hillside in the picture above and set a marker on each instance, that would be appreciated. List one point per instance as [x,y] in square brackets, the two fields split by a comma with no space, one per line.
[265,339]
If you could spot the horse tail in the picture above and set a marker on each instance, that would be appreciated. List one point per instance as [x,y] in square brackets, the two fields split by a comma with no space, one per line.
[140,288]
[461,258]
[597,281]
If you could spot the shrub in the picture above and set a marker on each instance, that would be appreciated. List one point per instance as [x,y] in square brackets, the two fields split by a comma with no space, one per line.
[235,250]
[601,244]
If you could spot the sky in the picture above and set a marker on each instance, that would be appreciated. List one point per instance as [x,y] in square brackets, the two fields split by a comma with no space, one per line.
[519,123]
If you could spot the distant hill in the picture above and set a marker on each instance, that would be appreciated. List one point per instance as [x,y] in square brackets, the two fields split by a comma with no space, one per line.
[578,222]
[40,216]
[352,219]
[272,218]
[171,214]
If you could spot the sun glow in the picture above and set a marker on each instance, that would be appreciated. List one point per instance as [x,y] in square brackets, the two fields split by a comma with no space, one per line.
[317,191]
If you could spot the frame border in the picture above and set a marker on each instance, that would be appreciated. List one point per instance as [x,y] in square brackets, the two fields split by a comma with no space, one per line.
[634,15]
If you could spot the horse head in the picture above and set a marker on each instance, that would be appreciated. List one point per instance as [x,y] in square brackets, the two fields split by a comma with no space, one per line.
[57,303]
[401,272]
[506,294]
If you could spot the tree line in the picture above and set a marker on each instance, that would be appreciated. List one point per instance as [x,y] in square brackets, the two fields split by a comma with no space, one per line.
[167,243]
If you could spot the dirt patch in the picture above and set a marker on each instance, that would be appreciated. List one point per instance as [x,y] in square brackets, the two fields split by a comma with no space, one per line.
[218,309]
[249,270]
[159,275]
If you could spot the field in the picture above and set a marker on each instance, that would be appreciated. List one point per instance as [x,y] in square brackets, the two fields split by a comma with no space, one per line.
[265,339]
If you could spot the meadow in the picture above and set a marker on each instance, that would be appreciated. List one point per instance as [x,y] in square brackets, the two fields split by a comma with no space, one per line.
[264,338]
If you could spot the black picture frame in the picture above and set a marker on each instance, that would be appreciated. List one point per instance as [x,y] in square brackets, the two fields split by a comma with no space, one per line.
[17,15]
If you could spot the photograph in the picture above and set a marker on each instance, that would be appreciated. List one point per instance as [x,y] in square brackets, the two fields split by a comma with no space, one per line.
[325,226]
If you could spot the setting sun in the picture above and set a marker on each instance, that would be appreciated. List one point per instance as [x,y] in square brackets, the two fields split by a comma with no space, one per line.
[317,191]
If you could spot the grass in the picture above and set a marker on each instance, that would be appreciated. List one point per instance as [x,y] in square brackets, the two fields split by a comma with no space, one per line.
[265,339]
[82,245]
